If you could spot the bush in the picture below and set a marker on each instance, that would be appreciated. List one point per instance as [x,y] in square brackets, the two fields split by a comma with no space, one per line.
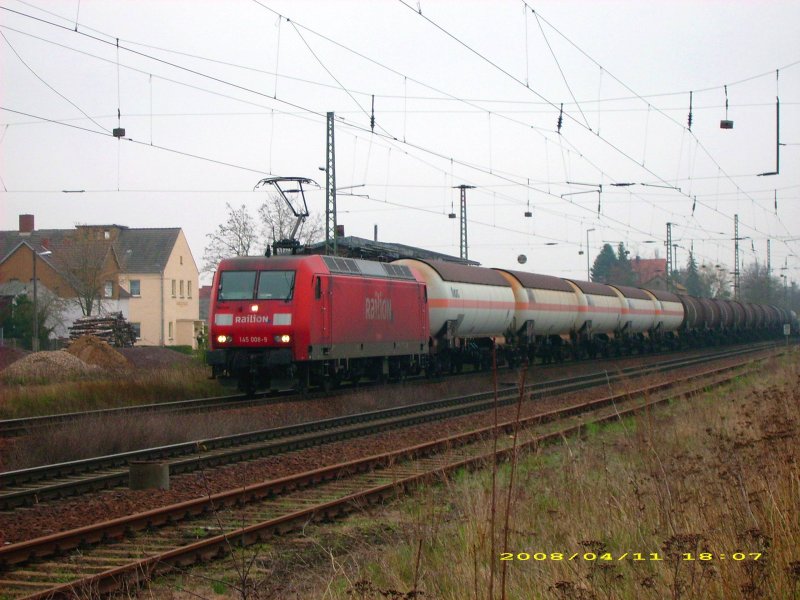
[184,349]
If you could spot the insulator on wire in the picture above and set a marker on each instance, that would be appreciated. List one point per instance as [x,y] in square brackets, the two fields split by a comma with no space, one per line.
[560,117]
[690,111]
[694,204]
[726,123]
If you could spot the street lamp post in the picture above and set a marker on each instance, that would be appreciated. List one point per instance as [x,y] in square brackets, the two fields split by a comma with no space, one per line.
[588,272]
[35,338]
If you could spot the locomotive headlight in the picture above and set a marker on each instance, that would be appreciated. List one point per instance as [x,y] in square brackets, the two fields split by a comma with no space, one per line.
[254,307]
[283,339]
[223,339]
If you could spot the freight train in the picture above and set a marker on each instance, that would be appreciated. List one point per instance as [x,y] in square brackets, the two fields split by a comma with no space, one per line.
[299,321]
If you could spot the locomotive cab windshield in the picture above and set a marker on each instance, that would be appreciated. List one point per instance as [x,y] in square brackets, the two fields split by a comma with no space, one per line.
[275,285]
[255,285]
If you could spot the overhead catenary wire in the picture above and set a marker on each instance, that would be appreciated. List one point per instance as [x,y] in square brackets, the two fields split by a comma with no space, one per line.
[429,98]
[725,87]
[133,141]
[50,87]
[539,95]
[470,165]
[563,77]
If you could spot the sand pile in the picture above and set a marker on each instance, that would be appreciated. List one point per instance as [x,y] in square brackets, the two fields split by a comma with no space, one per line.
[48,366]
[94,351]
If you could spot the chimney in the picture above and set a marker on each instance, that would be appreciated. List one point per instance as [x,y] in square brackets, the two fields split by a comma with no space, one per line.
[25,224]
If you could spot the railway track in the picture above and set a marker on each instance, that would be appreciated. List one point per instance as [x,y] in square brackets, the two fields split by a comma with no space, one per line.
[106,556]
[28,425]
[30,486]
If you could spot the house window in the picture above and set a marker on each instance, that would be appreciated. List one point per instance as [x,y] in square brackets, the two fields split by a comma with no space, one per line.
[181,260]
[136,287]
[137,330]
[189,288]
[170,330]
[108,289]
[173,288]
[181,288]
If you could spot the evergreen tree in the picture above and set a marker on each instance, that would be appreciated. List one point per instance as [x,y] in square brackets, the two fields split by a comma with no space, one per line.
[691,278]
[16,319]
[622,272]
[604,264]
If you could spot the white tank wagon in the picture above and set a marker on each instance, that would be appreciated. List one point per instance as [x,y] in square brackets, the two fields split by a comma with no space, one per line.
[463,301]
[670,312]
[639,310]
[545,305]
[599,307]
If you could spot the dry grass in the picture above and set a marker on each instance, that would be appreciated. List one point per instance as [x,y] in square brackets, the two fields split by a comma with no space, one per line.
[107,391]
[719,474]
[102,435]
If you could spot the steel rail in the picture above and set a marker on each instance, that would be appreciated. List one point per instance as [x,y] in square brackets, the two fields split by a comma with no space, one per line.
[24,425]
[30,486]
[249,515]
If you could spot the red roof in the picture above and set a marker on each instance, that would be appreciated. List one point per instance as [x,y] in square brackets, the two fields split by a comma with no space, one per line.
[647,269]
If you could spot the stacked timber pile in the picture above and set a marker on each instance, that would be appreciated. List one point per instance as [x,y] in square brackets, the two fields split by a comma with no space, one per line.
[112,329]
[94,351]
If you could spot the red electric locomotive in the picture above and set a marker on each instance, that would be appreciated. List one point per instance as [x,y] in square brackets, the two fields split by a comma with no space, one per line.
[286,321]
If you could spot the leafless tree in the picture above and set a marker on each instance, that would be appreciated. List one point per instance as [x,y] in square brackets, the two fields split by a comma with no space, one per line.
[759,286]
[88,261]
[235,237]
[241,235]
[715,282]
[277,222]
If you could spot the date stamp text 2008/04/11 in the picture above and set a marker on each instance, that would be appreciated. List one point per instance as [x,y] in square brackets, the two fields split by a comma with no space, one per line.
[635,556]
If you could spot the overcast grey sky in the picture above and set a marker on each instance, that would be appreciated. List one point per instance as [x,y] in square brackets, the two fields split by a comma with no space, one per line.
[216,95]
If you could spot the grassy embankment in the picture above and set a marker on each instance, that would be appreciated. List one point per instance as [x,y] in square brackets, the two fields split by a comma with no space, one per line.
[24,398]
[716,474]
[102,435]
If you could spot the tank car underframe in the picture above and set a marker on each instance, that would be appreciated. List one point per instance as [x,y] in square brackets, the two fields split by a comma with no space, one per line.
[450,353]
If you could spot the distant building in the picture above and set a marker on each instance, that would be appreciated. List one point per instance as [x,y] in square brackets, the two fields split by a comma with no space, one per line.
[147,274]
[650,272]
